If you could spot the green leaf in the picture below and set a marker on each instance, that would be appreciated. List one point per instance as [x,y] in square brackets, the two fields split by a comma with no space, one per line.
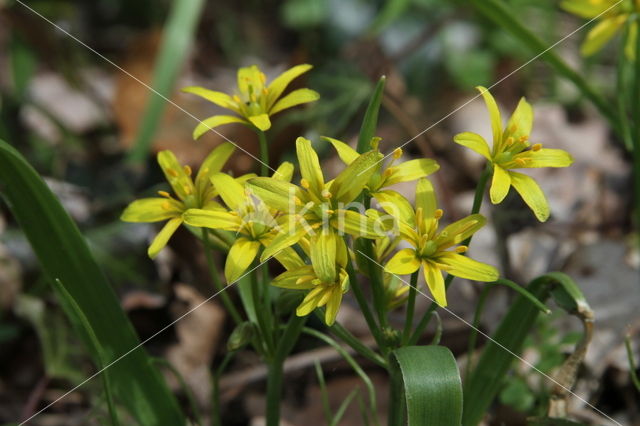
[487,378]
[178,33]
[370,121]
[391,11]
[64,255]
[431,385]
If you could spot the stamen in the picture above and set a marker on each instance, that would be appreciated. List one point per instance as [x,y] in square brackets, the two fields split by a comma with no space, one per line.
[252,97]
[236,98]
[329,211]
[164,194]
[438,213]
[297,201]
[375,141]
[524,138]
[419,215]
[263,78]
[187,189]
[187,170]
[304,183]
[521,161]
[172,172]
[461,249]
[387,173]
[537,147]
[265,91]
[165,205]
[326,194]
[509,140]
[513,128]
[397,153]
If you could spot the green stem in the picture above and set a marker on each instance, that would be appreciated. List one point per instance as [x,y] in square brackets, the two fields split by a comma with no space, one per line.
[261,315]
[264,153]
[477,203]
[355,343]
[215,276]
[473,337]
[275,371]
[411,306]
[216,418]
[636,139]
[622,92]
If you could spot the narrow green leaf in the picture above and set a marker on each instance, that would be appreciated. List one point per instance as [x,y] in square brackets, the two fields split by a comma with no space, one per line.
[391,11]
[431,384]
[370,121]
[178,33]
[487,378]
[64,255]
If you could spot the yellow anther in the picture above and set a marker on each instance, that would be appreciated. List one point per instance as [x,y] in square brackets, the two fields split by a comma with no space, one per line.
[438,213]
[297,201]
[419,215]
[304,183]
[375,142]
[461,249]
[537,147]
[524,138]
[172,172]
[263,78]
[164,194]
[252,97]
[397,153]
[233,213]
[265,91]
[187,189]
[509,140]
[165,205]
[521,161]
[329,211]
[326,194]
[513,128]
[187,170]
[387,172]
[236,98]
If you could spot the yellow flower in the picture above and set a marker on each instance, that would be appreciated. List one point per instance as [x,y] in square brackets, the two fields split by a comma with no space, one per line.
[326,278]
[612,15]
[254,102]
[252,221]
[431,249]
[512,150]
[188,194]
[318,207]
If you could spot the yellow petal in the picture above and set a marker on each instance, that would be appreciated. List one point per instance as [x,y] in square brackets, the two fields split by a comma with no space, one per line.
[214,162]
[531,194]
[288,258]
[475,142]
[310,166]
[231,192]
[242,253]
[280,83]
[261,121]
[323,255]
[218,98]
[152,210]
[411,170]
[282,241]
[175,174]
[333,305]
[403,262]
[356,224]
[494,114]
[435,282]
[310,302]
[541,158]
[601,34]
[465,267]
[347,154]
[297,279]
[426,198]
[215,121]
[520,122]
[350,182]
[587,9]
[297,97]
[459,231]
[215,219]
[275,193]
[284,172]
[160,241]
[397,206]
[499,185]
[250,80]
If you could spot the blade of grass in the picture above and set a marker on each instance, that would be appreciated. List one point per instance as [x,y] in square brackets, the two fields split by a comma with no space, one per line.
[370,121]
[64,255]
[178,33]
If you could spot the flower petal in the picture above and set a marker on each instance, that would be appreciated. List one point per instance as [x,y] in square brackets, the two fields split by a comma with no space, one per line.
[242,253]
[426,198]
[587,9]
[176,175]
[275,193]
[435,282]
[214,162]
[152,210]
[601,34]
[500,184]
[296,279]
[347,154]
[297,97]
[541,158]
[261,121]
[403,262]
[350,182]
[310,302]
[396,205]
[474,142]
[411,170]
[356,224]
[323,255]
[531,194]
[459,231]
[214,121]
[251,80]
[465,267]
[494,114]
[160,241]
[284,172]
[333,305]
[215,219]
[310,166]
[520,123]
[231,192]
[218,98]
[282,241]
[280,83]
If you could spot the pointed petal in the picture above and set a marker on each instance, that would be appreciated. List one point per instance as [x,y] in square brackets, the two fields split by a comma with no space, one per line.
[160,241]
[214,163]
[475,142]
[459,231]
[297,97]
[435,282]
[176,175]
[284,172]
[411,170]
[323,255]
[251,79]
[296,279]
[541,158]
[310,302]
[261,121]
[215,121]
[586,9]
[404,262]
[520,122]
[242,253]
[397,206]
[218,98]
[152,210]
[282,241]
[347,154]
[350,182]
[333,305]
[601,34]
[310,166]
[231,192]
[280,83]
[275,193]
[465,267]
[426,198]
[494,114]
[356,224]
[500,184]
[215,219]
[531,194]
